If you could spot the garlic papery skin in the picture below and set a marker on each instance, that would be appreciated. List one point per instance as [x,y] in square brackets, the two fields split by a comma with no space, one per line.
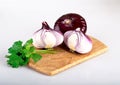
[72,41]
[77,41]
[49,40]
[47,37]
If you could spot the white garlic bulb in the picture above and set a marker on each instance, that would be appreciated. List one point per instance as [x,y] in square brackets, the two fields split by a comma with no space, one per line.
[47,37]
[77,41]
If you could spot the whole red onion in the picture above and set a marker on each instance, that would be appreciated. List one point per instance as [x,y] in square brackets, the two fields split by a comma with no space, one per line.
[70,21]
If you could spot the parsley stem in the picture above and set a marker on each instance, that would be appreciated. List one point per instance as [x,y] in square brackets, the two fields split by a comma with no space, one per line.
[45,51]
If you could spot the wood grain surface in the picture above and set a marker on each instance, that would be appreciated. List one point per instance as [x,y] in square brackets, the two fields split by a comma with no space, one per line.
[51,64]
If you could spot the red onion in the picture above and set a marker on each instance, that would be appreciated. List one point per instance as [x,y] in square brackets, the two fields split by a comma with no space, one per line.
[70,21]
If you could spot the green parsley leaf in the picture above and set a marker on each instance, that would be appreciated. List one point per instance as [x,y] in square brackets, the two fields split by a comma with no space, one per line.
[16,47]
[28,43]
[19,55]
[36,57]
[15,61]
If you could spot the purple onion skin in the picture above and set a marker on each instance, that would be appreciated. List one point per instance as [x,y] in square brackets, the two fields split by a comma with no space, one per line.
[70,21]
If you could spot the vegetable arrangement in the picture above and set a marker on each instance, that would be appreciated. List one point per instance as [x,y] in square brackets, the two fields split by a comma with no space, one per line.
[69,28]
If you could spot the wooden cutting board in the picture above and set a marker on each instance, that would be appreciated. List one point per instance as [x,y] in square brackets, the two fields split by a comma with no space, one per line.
[51,64]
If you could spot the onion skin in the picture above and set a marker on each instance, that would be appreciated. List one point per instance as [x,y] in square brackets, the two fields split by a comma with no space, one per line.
[77,41]
[70,21]
[47,37]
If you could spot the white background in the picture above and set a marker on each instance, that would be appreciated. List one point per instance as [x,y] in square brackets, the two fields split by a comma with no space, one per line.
[20,18]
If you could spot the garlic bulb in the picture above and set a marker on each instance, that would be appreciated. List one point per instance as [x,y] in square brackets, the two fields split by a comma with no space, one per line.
[77,41]
[47,37]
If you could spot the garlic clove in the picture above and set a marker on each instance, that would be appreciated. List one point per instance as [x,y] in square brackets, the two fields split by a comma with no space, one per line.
[85,45]
[72,41]
[37,40]
[66,35]
[59,38]
[49,39]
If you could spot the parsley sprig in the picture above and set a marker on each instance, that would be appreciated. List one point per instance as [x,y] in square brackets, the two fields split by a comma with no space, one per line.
[20,54]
